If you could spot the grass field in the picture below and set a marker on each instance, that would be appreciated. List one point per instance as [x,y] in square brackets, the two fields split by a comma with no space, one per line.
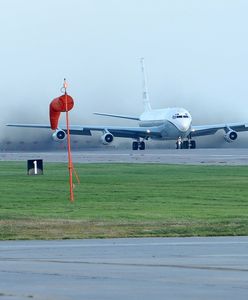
[123,200]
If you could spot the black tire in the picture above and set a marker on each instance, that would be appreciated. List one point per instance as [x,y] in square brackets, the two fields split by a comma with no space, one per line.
[142,145]
[135,145]
[192,145]
[185,145]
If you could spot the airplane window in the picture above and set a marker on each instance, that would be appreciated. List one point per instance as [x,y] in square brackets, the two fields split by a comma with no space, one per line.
[177,116]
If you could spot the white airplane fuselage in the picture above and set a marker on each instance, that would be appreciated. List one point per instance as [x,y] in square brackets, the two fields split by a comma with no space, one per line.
[175,122]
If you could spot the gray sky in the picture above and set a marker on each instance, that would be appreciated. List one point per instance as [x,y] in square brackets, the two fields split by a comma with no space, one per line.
[196,56]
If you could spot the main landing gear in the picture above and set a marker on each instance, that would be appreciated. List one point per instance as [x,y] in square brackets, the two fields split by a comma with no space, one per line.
[189,144]
[180,144]
[139,145]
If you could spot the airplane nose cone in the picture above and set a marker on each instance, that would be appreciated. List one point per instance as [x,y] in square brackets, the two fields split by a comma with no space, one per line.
[184,125]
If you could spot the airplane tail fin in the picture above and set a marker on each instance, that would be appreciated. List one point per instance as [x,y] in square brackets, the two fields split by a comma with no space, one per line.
[146,100]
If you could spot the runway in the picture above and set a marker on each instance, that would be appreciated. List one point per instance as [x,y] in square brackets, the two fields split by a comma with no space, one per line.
[150,268]
[165,156]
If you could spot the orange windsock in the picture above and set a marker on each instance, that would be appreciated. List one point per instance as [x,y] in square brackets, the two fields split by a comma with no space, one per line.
[58,105]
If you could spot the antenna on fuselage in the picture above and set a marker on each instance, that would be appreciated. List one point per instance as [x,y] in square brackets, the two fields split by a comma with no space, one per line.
[145,95]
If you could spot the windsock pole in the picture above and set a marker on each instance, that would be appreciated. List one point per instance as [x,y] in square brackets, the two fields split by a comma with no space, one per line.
[70,166]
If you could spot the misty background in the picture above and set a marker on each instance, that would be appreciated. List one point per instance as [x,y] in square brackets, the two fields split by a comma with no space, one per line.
[195,55]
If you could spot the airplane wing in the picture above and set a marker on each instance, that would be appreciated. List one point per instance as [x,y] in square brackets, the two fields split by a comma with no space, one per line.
[118,116]
[212,129]
[117,131]
[29,125]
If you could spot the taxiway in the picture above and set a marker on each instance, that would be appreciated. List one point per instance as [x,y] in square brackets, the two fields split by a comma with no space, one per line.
[150,268]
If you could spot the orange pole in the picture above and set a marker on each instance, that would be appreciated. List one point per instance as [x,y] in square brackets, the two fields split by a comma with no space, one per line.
[70,167]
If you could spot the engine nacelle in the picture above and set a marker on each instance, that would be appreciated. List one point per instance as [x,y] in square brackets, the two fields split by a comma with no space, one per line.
[230,136]
[107,138]
[59,135]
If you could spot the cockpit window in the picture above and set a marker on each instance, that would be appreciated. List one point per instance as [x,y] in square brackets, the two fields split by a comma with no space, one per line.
[177,116]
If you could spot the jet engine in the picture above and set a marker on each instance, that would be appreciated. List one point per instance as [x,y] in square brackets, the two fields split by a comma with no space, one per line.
[230,136]
[59,135]
[107,138]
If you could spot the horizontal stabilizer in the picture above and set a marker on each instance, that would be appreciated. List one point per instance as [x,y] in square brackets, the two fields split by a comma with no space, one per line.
[118,116]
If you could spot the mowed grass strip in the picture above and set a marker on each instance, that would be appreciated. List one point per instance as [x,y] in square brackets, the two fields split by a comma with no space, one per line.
[123,200]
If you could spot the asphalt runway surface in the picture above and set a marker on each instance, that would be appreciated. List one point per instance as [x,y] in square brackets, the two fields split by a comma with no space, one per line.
[165,156]
[147,268]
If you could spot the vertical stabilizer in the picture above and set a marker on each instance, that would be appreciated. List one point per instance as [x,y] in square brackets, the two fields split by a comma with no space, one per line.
[146,100]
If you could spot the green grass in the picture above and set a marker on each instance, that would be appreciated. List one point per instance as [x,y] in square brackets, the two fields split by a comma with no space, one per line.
[123,200]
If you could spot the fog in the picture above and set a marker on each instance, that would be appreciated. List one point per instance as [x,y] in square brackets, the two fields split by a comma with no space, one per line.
[195,55]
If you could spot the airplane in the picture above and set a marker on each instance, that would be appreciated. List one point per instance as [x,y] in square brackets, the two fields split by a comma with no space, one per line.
[156,124]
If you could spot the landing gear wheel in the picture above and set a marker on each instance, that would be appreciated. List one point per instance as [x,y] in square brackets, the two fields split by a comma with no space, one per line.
[135,145]
[142,145]
[185,145]
[192,145]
